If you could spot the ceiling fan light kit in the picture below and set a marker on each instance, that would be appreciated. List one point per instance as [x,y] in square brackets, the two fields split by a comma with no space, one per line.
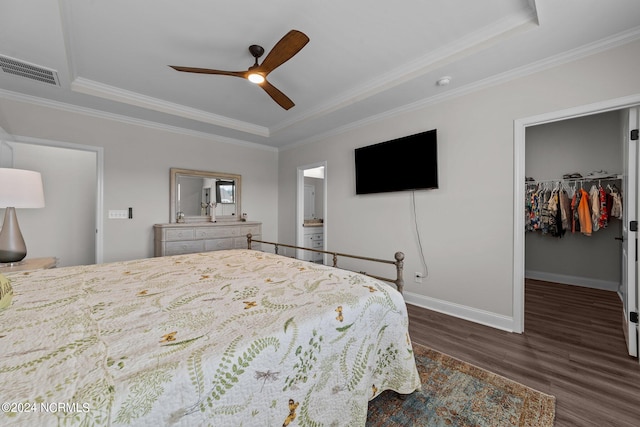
[284,50]
[255,78]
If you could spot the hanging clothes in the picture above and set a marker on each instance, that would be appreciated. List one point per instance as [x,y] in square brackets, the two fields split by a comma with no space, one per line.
[545,214]
[575,218]
[552,210]
[603,219]
[556,227]
[594,203]
[584,213]
[616,206]
[565,210]
[532,209]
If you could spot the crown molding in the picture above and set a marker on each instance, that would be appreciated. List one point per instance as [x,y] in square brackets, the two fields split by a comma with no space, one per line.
[617,40]
[474,42]
[90,87]
[550,62]
[42,102]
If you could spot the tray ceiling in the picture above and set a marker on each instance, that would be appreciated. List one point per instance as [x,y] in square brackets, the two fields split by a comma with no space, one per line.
[364,60]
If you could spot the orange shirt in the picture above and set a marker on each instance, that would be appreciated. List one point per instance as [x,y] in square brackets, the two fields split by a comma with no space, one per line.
[584,214]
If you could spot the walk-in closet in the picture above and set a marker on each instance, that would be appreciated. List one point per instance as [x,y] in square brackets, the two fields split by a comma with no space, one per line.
[573,165]
[574,214]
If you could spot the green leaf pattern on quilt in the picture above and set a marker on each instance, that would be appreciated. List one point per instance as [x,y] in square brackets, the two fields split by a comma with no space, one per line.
[219,338]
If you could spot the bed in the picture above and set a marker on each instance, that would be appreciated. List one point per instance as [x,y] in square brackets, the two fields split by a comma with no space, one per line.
[227,338]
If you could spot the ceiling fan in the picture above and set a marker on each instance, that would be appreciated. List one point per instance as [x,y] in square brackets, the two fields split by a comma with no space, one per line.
[285,49]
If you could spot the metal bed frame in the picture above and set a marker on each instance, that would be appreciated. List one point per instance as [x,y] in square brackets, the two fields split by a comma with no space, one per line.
[398,262]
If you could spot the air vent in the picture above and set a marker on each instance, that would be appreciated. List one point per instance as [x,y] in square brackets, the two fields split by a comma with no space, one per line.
[29,71]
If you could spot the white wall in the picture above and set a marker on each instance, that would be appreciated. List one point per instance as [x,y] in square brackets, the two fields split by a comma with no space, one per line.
[467,224]
[137,159]
[65,227]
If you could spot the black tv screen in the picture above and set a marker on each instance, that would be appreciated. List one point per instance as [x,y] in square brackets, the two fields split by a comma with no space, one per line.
[407,163]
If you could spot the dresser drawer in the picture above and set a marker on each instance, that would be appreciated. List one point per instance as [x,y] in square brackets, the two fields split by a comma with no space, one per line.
[172,234]
[187,247]
[216,233]
[177,239]
[218,244]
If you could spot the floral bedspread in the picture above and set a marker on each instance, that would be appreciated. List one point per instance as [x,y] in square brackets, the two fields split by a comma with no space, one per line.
[226,338]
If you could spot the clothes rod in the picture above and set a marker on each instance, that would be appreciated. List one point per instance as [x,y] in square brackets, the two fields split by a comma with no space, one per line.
[578,180]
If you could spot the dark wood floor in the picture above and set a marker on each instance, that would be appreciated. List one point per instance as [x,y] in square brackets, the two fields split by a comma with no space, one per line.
[573,348]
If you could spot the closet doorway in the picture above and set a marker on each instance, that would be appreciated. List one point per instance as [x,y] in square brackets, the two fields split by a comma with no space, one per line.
[556,249]
[614,273]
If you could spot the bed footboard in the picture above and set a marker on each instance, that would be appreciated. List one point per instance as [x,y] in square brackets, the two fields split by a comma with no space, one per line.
[398,260]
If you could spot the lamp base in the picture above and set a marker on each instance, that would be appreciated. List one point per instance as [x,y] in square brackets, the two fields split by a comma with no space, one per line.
[12,264]
[12,246]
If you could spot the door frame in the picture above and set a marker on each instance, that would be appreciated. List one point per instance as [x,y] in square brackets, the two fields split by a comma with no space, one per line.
[300,204]
[629,237]
[519,131]
[99,152]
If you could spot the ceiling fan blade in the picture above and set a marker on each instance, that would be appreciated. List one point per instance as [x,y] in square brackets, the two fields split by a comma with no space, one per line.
[284,50]
[277,96]
[242,74]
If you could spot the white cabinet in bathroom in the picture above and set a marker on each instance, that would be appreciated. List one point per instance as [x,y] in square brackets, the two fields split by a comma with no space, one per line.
[314,239]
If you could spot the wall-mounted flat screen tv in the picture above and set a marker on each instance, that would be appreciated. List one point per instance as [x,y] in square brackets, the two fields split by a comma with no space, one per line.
[407,163]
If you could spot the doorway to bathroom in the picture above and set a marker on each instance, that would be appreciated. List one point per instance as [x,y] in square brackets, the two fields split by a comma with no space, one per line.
[311,215]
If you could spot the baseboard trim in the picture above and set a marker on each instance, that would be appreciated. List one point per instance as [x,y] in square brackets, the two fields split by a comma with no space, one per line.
[606,285]
[471,314]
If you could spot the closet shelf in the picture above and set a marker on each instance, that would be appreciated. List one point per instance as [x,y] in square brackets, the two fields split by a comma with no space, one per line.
[578,180]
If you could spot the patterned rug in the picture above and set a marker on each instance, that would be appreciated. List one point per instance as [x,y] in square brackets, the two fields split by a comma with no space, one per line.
[455,393]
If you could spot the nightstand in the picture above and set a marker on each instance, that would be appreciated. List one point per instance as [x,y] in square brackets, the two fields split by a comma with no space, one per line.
[30,264]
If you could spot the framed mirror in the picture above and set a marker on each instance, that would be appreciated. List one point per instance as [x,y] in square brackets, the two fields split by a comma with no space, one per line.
[201,196]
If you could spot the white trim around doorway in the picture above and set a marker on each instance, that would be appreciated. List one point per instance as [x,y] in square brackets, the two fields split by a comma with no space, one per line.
[519,130]
[300,204]
[99,151]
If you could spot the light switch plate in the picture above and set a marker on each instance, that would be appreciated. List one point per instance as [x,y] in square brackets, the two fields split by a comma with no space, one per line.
[118,214]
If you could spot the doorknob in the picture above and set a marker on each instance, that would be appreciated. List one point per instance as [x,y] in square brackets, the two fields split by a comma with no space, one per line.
[619,238]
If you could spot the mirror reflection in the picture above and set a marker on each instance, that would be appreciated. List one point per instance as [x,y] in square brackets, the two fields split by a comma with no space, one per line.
[201,196]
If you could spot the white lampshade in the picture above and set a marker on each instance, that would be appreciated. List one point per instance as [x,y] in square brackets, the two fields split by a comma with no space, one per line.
[20,189]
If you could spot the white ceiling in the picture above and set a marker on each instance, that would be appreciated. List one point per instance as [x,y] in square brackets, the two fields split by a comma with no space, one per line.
[366,58]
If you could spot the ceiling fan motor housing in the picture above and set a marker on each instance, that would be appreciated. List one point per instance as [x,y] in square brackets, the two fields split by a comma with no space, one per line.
[256,51]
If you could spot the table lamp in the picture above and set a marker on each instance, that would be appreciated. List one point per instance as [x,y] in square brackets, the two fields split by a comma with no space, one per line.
[18,189]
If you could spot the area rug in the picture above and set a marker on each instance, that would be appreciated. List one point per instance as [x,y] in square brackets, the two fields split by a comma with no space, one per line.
[455,393]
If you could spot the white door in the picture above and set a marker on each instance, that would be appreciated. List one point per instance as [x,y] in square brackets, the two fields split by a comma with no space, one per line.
[629,233]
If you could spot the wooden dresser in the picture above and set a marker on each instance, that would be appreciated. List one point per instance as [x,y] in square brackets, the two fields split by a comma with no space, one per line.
[185,238]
